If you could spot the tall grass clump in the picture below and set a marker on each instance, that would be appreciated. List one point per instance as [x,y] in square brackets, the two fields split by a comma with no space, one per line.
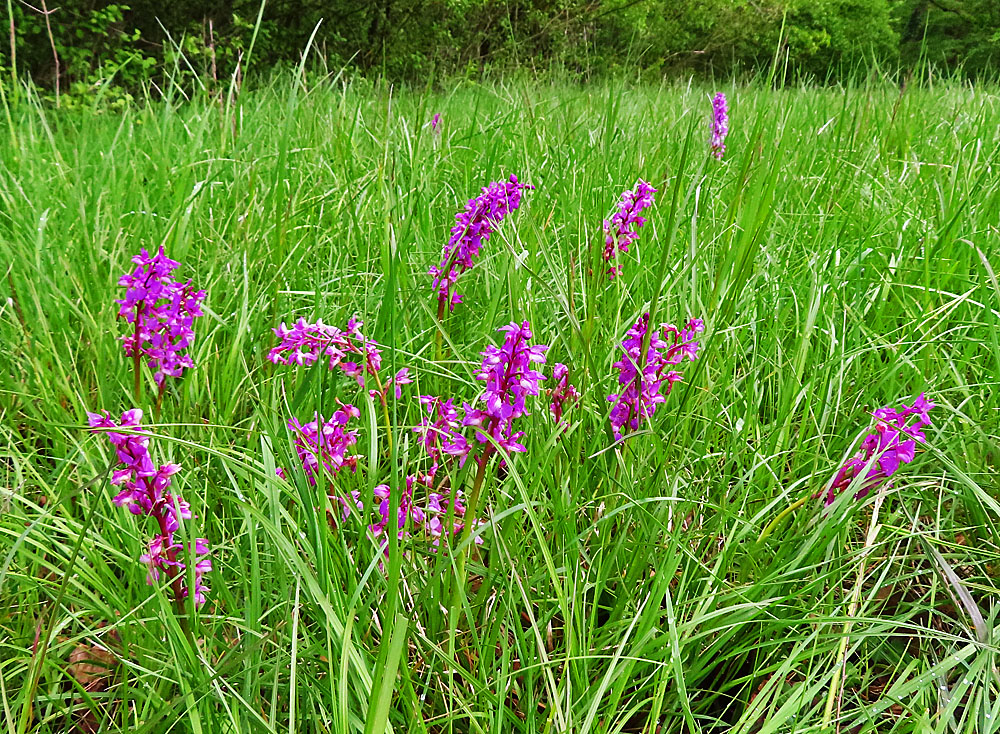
[668,500]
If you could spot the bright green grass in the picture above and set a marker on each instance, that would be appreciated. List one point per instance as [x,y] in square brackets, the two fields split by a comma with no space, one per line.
[844,256]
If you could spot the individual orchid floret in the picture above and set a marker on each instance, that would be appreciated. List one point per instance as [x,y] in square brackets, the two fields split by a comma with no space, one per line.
[473,227]
[720,125]
[324,445]
[563,394]
[509,379]
[145,491]
[161,312]
[643,377]
[891,444]
[395,383]
[622,229]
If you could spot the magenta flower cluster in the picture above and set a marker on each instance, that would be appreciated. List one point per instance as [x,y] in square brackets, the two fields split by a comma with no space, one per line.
[435,121]
[892,444]
[303,343]
[161,312]
[324,447]
[509,379]
[720,125]
[440,431]
[145,491]
[643,377]
[623,228]
[473,227]
[324,444]
[425,517]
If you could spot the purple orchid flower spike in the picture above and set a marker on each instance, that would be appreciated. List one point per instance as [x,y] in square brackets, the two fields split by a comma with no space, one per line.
[358,357]
[509,379]
[892,444]
[643,377]
[720,125]
[161,312]
[473,227]
[623,228]
[145,491]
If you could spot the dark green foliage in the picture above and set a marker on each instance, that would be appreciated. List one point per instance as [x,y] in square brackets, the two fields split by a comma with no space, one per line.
[412,40]
[951,32]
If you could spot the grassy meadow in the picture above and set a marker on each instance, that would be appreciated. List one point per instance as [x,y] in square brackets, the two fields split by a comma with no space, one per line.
[844,256]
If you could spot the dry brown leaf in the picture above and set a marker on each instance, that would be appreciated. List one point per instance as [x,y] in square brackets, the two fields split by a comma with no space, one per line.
[91,666]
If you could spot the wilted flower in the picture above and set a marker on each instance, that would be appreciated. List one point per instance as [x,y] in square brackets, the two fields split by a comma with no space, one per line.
[145,492]
[473,227]
[892,444]
[643,378]
[622,229]
[720,125]
[161,311]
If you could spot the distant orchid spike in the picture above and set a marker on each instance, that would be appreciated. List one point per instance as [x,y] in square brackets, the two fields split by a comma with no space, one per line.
[435,121]
[473,227]
[720,125]
[642,377]
[161,312]
[891,444]
[145,492]
[622,229]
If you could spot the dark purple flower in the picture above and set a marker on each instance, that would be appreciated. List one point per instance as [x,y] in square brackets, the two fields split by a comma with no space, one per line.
[472,228]
[641,393]
[161,312]
[720,125]
[622,229]
[891,444]
[144,492]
